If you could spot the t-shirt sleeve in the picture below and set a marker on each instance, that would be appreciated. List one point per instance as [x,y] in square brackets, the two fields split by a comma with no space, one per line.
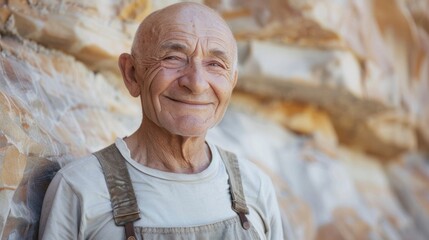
[268,209]
[268,198]
[261,197]
[61,214]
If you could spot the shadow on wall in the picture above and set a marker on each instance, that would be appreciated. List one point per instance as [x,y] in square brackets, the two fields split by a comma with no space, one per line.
[23,218]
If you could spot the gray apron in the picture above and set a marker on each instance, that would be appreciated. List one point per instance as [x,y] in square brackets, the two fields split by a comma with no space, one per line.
[126,211]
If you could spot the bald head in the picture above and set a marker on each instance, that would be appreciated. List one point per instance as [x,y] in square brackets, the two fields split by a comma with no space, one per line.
[191,19]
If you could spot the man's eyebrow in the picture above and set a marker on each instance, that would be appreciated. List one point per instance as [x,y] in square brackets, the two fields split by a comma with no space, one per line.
[219,53]
[173,46]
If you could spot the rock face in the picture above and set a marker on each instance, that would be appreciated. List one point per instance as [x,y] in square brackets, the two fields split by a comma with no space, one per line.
[52,107]
[331,103]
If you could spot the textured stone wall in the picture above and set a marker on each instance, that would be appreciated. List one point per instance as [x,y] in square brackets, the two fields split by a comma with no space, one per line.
[332,103]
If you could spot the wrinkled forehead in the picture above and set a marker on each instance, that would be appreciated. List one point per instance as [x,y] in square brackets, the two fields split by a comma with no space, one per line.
[187,24]
[192,32]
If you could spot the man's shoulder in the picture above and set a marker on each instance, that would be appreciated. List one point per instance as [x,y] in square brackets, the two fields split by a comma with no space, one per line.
[87,161]
[252,177]
[83,176]
[252,172]
[80,169]
[247,167]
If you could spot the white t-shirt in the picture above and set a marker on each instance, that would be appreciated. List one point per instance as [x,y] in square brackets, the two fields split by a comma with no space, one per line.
[77,204]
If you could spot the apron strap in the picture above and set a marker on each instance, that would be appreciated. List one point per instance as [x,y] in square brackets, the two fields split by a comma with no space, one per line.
[237,194]
[122,196]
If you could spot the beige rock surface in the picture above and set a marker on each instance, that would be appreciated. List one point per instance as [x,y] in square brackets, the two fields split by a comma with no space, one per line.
[45,92]
[386,43]
[410,179]
[51,106]
[11,171]
[300,117]
[388,217]
[95,32]
[324,194]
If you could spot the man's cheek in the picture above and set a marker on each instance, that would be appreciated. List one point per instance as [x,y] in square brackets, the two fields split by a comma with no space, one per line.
[150,75]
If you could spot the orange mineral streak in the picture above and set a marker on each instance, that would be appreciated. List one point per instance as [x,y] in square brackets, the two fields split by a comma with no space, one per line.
[13,167]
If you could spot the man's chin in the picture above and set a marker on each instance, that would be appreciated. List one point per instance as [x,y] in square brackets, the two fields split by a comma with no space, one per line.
[189,126]
[190,132]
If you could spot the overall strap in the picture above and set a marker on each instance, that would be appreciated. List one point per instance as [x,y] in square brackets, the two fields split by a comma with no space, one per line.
[122,196]
[237,194]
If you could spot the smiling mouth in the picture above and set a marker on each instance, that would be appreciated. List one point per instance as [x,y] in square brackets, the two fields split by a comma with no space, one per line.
[189,102]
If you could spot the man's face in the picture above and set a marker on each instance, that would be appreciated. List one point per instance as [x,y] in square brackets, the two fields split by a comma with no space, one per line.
[186,74]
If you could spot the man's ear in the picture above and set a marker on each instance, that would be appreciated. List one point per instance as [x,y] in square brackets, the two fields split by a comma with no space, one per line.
[128,71]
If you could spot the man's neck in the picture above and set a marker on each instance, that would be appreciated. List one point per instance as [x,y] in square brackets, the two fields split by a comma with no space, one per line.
[157,148]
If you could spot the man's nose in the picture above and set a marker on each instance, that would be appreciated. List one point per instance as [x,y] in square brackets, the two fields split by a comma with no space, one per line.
[195,78]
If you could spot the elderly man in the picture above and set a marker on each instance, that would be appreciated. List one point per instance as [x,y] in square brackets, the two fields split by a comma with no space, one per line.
[165,181]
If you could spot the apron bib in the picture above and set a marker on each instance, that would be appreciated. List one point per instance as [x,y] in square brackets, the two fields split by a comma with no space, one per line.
[126,211]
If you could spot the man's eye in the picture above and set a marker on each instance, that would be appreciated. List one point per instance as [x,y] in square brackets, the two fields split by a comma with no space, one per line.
[174,61]
[216,64]
[173,58]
